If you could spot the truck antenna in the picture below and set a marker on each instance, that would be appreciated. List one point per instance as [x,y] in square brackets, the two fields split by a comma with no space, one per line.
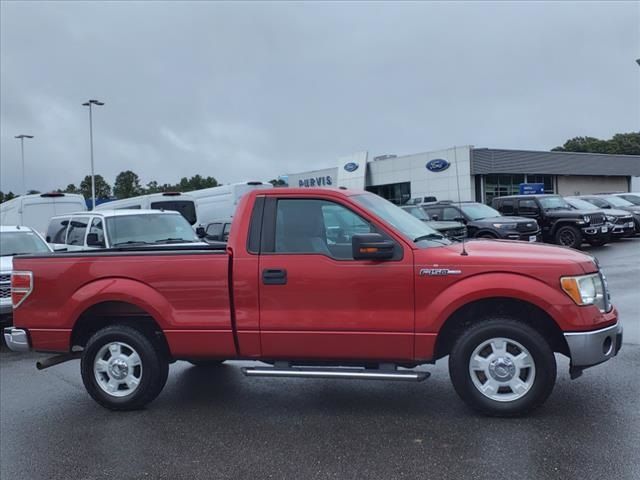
[455,159]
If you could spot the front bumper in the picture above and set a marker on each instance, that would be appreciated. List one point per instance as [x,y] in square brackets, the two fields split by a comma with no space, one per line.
[6,308]
[596,231]
[534,236]
[594,347]
[16,339]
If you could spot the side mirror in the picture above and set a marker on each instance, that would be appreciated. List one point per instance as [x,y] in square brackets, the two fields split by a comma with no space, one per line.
[371,246]
[201,232]
[93,241]
[435,218]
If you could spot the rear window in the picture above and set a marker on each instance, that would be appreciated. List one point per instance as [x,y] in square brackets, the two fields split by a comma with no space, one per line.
[186,208]
[77,230]
[57,231]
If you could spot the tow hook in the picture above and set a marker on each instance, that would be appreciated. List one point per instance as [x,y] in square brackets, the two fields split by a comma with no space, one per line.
[58,359]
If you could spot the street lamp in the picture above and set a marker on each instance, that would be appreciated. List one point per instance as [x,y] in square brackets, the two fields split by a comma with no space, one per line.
[22,137]
[90,103]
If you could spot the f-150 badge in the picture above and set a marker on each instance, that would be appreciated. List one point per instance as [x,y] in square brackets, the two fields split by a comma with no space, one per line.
[438,272]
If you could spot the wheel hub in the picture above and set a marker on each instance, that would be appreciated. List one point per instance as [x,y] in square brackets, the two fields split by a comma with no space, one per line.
[502,369]
[118,368]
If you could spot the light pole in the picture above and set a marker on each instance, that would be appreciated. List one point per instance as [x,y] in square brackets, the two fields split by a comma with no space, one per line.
[90,103]
[22,137]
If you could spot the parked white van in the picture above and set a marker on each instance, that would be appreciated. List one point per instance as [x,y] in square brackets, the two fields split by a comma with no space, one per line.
[175,201]
[114,228]
[35,210]
[221,202]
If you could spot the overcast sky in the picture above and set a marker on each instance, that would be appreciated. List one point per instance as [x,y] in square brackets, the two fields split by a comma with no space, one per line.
[255,90]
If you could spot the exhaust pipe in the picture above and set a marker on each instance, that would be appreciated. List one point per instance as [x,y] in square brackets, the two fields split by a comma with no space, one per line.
[353,374]
[58,359]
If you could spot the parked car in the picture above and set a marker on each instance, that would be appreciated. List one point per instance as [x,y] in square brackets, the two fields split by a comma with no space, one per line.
[559,221]
[14,241]
[451,229]
[35,210]
[482,221]
[607,202]
[114,228]
[285,293]
[173,201]
[218,230]
[633,197]
[620,221]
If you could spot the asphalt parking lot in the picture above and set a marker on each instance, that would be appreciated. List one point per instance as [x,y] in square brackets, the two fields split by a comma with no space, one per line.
[218,424]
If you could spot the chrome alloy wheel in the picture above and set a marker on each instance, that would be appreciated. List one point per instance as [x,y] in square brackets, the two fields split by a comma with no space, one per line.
[118,369]
[502,369]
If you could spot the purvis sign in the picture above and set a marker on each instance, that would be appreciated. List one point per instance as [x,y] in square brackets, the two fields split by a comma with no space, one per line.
[437,165]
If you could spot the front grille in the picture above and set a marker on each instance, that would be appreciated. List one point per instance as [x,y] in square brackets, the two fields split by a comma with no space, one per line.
[5,278]
[457,233]
[5,292]
[527,227]
[596,218]
[623,220]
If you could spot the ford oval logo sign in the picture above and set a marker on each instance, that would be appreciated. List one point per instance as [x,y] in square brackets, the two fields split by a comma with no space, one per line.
[351,167]
[437,165]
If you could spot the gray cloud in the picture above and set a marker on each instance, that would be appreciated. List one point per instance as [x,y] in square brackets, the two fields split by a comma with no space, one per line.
[253,90]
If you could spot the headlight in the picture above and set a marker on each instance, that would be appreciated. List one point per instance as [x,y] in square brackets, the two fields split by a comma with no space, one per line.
[611,218]
[586,290]
[506,226]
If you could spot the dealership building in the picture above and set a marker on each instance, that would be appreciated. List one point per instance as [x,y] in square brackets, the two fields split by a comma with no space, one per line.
[478,174]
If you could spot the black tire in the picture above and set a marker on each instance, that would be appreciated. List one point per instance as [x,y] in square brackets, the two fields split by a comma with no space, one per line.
[487,235]
[153,374]
[203,363]
[543,376]
[568,236]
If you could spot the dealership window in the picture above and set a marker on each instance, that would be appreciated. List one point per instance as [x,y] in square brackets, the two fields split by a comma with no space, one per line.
[503,184]
[398,193]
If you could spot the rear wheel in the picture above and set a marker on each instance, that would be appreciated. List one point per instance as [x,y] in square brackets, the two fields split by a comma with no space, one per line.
[487,235]
[122,369]
[502,367]
[569,236]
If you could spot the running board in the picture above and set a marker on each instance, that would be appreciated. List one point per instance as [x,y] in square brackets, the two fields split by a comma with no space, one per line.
[349,373]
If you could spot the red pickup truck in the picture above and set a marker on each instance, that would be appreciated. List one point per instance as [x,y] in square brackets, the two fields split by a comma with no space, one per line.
[328,283]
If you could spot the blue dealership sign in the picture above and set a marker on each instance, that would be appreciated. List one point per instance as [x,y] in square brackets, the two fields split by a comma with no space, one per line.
[531,188]
[437,165]
[351,167]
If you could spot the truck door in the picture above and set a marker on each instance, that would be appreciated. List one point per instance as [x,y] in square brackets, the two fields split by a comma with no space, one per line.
[316,301]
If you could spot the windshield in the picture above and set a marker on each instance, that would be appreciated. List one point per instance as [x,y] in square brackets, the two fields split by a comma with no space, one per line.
[580,204]
[478,211]
[630,197]
[149,229]
[554,203]
[408,225]
[16,243]
[618,202]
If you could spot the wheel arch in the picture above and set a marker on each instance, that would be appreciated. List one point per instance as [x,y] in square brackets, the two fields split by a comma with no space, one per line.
[478,310]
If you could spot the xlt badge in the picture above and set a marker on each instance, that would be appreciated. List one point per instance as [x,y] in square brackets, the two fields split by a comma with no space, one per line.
[438,272]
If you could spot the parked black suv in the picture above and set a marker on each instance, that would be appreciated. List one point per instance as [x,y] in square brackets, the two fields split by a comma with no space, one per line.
[614,201]
[483,221]
[560,223]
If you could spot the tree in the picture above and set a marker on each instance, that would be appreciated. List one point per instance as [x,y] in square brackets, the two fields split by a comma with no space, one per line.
[103,189]
[197,182]
[620,143]
[278,182]
[5,197]
[32,192]
[152,187]
[71,188]
[127,185]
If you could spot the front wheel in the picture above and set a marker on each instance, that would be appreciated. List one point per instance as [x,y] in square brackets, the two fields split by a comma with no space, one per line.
[502,367]
[122,369]
[569,236]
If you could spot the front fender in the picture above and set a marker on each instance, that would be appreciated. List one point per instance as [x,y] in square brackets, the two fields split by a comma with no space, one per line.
[119,289]
[493,285]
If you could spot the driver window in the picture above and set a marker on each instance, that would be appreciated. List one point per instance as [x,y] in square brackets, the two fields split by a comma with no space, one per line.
[317,226]
[450,214]
[96,227]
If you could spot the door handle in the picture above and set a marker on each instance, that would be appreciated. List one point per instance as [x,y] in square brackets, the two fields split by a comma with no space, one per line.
[274,276]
